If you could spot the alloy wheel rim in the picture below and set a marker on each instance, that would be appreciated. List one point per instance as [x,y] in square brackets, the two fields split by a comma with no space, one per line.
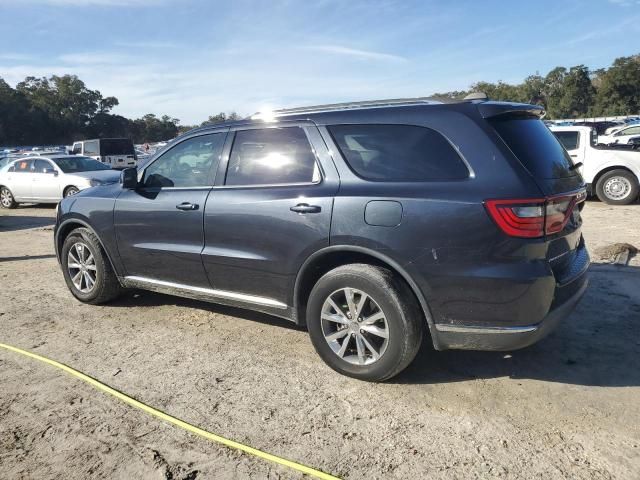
[71,191]
[81,266]
[354,326]
[5,197]
[617,188]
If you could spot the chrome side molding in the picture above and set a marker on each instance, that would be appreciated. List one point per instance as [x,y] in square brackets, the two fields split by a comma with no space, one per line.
[200,293]
[484,330]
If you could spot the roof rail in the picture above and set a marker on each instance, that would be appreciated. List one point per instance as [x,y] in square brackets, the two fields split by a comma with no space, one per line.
[330,107]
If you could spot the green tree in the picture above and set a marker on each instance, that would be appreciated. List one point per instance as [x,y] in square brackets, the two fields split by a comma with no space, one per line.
[618,91]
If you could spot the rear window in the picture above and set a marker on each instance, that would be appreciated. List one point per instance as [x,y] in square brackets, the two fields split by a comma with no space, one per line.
[398,153]
[535,146]
[116,146]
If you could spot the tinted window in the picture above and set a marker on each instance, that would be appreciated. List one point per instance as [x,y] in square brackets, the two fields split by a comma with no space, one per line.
[116,146]
[398,153]
[535,146]
[187,164]
[23,166]
[272,156]
[570,140]
[73,164]
[91,148]
[41,166]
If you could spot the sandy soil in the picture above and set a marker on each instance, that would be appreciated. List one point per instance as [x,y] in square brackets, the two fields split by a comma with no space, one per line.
[565,408]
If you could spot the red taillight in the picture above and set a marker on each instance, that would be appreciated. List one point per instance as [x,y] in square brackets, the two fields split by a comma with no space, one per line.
[533,217]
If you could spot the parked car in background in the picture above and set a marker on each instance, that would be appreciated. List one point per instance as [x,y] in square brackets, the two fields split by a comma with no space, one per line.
[599,127]
[115,152]
[621,135]
[612,174]
[48,179]
[367,223]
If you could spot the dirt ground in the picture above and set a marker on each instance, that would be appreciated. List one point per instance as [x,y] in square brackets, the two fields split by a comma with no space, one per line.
[567,407]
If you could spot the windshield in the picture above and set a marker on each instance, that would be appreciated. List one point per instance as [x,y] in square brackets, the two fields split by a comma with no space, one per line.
[79,164]
[116,146]
[535,146]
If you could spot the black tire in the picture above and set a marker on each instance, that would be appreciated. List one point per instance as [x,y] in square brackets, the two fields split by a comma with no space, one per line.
[403,317]
[622,179]
[71,190]
[6,198]
[106,286]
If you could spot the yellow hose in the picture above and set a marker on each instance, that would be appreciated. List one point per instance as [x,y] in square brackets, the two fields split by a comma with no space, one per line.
[175,421]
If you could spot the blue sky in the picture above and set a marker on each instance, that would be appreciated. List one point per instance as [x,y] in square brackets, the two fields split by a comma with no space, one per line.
[192,58]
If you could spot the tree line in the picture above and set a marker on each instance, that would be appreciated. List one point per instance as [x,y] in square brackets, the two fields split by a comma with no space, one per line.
[574,92]
[61,109]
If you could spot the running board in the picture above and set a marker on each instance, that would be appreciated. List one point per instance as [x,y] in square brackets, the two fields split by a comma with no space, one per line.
[198,293]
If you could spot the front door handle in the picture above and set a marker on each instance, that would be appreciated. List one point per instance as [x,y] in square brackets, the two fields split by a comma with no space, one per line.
[306,208]
[187,206]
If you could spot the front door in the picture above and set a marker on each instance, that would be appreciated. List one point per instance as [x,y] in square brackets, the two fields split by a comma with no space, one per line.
[46,184]
[269,213]
[159,225]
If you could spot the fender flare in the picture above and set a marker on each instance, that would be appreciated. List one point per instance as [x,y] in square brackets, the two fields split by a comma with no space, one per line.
[379,256]
[85,224]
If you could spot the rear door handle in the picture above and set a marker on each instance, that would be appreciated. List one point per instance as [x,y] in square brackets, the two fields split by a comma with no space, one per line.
[306,208]
[187,206]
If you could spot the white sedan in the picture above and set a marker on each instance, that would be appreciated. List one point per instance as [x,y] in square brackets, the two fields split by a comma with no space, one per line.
[622,135]
[47,179]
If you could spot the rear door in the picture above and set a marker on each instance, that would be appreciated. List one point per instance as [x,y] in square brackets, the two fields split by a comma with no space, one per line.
[269,212]
[20,179]
[159,225]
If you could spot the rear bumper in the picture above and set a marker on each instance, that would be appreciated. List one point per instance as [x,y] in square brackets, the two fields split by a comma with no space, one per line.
[506,338]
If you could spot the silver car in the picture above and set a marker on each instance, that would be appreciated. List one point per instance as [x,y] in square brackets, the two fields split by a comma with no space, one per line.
[47,179]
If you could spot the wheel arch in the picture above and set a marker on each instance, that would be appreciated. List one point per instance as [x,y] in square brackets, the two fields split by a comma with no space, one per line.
[67,187]
[611,168]
[69,225]
[329,258]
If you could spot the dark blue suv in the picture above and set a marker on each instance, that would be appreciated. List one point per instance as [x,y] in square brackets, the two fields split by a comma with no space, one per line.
[368,223]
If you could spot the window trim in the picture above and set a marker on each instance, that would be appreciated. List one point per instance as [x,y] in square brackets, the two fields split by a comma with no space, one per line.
[232,140]
[471,172]
[211,175]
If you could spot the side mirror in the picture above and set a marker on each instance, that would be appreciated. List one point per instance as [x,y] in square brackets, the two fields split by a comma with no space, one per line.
[129,178]
[51,171]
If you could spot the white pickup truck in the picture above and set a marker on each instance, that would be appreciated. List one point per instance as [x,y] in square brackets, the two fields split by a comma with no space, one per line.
[613,174]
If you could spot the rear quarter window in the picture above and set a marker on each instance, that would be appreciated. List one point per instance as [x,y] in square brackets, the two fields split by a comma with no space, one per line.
[535,146]
[570,140]
[398,153]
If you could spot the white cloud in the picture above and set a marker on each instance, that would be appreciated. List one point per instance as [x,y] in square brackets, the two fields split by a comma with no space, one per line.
[95,58]
[353,52]
[18,57]
[625,3]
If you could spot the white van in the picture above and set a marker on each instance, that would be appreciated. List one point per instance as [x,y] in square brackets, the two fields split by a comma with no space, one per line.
[115,152]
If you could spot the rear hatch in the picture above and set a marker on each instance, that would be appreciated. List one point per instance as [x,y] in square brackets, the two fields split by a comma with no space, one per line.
[555,216]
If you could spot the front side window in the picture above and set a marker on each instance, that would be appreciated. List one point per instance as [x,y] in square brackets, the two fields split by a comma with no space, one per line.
[398,153]
[42,166]
[188,164]
[629,131]
[77,149]
[91,148]
[272,156]
[570,140]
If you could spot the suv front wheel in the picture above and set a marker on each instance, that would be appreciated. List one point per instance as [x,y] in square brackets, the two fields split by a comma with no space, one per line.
[86,268]
[364,322]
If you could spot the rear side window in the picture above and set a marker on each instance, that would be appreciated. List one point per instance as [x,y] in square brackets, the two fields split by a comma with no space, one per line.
[570,140]
[116,146]
[272,156]
[91,148]
[535,146]
[23,166]
[398,153]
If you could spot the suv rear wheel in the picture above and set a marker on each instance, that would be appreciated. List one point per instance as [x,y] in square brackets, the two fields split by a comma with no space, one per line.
[364,322]
[86,268]
[617,187]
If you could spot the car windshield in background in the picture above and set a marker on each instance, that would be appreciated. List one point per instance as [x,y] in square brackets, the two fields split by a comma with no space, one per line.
[116,146]
[535,146]
[79,164]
